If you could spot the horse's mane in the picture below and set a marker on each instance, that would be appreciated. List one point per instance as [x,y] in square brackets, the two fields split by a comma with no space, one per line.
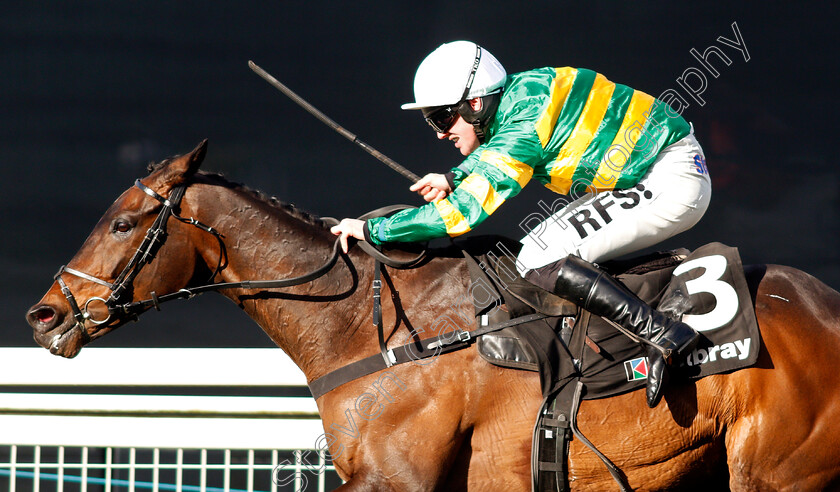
[220,180]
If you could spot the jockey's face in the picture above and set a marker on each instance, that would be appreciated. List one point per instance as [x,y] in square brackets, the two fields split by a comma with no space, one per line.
[462,134]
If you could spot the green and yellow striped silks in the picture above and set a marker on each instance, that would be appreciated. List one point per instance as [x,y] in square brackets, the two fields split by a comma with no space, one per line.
[494,179]
[569,128]
[603,135]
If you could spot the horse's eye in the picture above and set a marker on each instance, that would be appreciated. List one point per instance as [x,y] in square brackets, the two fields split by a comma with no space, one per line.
[122,226]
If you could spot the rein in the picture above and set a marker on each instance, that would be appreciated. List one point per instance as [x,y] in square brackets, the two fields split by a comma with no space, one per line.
[155,238]
[187,293]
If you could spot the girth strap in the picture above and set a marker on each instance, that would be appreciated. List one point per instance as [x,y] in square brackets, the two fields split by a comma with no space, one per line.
[431,347]
[550,449]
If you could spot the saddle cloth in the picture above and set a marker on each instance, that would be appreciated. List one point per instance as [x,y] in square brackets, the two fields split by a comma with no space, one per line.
[706,288]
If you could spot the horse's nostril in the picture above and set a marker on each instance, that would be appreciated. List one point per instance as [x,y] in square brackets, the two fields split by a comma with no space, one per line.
[42,315]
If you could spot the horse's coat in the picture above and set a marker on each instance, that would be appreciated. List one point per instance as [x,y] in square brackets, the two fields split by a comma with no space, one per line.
[459,423]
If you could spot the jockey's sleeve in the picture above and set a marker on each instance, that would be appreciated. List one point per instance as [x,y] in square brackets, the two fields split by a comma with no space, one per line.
[457,174]
[493,173]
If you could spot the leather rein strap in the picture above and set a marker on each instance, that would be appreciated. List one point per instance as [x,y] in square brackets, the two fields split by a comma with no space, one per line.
[187,293]
[156,301]
[155,238]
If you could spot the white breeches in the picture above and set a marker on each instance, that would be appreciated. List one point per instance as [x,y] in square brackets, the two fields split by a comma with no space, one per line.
[670,198]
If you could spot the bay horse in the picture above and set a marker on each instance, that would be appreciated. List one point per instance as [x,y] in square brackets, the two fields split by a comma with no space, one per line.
[460,423]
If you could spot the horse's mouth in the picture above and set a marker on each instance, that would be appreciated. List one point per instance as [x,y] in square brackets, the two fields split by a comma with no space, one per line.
[65,342]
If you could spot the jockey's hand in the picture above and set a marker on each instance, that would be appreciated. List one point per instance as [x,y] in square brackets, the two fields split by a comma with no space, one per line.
[432,187]
[349,227]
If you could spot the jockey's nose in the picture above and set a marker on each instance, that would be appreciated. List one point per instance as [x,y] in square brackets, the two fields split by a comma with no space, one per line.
[42,318]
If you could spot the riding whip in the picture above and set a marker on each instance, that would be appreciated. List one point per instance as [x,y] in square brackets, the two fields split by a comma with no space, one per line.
[332,124]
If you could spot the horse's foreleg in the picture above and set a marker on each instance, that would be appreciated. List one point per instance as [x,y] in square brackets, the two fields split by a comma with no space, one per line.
[404,463]
[413,438]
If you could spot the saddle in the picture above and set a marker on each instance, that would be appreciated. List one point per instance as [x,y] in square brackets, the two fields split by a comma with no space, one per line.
[580,356]
[523,346]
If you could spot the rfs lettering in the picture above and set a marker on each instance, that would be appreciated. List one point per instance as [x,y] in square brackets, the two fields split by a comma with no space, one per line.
[596,213]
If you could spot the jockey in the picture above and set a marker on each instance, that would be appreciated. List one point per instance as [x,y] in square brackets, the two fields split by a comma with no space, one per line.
[631,167]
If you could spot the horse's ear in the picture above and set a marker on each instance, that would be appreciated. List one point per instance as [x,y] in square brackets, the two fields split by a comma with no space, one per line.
[178,170]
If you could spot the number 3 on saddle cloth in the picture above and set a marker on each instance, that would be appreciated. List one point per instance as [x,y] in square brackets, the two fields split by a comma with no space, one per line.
[707,288]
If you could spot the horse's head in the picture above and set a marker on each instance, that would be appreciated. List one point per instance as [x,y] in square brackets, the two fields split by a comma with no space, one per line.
[114,266]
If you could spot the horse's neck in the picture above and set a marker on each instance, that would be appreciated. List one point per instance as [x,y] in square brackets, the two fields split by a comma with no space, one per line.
[314,323]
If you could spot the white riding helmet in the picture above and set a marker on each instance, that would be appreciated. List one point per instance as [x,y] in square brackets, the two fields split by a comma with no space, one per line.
[447,72]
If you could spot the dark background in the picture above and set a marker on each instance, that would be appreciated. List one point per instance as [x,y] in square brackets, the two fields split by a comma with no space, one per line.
[92,91]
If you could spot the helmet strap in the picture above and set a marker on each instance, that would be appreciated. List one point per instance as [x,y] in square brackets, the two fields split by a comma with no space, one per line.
[479,131]
[480,119]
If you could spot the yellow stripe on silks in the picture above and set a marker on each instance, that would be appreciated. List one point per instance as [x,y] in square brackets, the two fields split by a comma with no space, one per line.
[622,145]
[587,124]
[515,170]
[560,87]
[483,192]
[455,222]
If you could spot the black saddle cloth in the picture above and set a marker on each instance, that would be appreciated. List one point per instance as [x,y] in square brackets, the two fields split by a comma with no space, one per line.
[573,344]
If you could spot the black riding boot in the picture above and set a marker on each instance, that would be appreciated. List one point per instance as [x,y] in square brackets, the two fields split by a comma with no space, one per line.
[599,293]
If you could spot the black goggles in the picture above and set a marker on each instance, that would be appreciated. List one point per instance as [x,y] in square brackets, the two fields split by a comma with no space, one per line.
[441,118]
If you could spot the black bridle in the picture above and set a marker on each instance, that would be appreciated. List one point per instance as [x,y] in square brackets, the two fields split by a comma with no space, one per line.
[155,238]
